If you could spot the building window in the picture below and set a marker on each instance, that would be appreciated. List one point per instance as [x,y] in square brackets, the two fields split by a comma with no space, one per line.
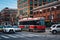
[35,4]
[49,1]
[31,0]
[54,0]
[31,16]
[35,0]
[21,6]
[52,9]
[40,12]
[58,15]
[44,0]
[25,0]
[44,11]
[40,4]
[31,8]
[31,3]
[25,5]
[37,12]
[40,1]
[44,3]
[31,12]
[21,12]
[48,10]
[34,13]
[25,9]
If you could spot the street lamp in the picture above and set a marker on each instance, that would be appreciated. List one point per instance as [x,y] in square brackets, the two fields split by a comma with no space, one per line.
[40,10]
[51,15]
[55,12]
[55,7]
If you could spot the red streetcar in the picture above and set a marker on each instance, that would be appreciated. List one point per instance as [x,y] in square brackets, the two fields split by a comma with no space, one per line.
[32,24]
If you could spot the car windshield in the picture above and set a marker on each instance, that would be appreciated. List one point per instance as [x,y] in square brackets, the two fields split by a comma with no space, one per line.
[53,26]
[7,26]
[1,26]
[15,26]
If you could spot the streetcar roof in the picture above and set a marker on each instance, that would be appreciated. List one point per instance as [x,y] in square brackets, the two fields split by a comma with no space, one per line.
[31,19]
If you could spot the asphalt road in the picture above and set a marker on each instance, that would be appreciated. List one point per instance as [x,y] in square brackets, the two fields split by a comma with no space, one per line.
[30,36]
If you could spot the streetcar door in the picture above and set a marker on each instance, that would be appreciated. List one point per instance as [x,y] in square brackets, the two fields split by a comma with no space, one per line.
[42,21]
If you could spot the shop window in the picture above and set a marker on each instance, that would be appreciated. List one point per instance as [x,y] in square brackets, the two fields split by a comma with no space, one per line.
[58,7]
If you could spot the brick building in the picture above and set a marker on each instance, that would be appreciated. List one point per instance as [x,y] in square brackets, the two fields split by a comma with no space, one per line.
[39,8]
[8,15]
[0,18]
[50,11]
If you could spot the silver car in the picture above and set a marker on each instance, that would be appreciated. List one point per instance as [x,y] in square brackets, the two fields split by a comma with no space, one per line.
[55,28]
[16,28]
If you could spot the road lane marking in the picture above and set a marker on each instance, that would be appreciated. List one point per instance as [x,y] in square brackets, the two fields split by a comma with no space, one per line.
[13,36]
[4,36]
[29,35]
[19,36]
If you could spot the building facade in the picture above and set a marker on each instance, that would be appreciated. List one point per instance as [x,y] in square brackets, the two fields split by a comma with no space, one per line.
[23,8]
[49,11]
[0,18]
[8,15]
[39,8]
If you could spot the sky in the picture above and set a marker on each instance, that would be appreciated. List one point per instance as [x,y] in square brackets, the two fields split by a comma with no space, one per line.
[8,3]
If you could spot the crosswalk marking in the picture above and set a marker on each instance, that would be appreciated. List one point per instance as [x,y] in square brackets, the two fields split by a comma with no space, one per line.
[4,36]
[17,35]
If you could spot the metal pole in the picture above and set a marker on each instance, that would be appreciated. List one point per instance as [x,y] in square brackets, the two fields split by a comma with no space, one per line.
[51,19]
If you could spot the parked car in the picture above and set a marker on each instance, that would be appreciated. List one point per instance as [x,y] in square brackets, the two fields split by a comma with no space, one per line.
[1,28]
[8,29]
[55,28]
[16,28]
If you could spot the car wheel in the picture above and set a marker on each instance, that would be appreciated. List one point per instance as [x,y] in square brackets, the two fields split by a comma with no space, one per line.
[54,31]
[11,31]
